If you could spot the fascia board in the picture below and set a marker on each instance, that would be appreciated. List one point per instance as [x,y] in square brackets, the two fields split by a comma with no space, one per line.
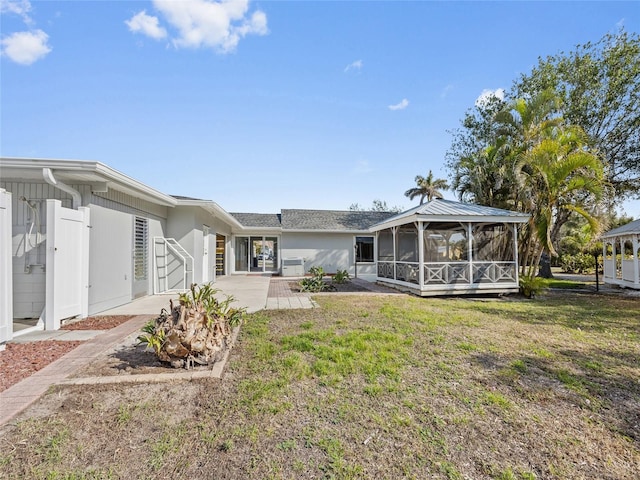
[301,230]
[213,208]
[478,219]
[102,170]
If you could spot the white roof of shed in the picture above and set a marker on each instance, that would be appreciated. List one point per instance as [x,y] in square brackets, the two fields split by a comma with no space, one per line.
[630,228]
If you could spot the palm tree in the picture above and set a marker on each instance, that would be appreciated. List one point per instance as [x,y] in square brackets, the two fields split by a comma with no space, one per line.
[558,175]
[427,187]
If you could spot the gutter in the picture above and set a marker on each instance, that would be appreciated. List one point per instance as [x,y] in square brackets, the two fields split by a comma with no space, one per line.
[47,174]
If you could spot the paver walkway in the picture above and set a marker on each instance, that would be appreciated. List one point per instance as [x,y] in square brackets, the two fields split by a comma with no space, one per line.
[281,297]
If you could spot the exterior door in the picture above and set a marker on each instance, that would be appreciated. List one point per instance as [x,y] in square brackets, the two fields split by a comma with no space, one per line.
[220,254]
[205,254]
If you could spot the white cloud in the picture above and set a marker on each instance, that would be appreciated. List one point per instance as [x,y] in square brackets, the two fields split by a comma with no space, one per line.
[487,95]
[400,106]
[147,25]
[357,65]
[26,47]
[446,90]
[210,24]
[361,167]
[17,7]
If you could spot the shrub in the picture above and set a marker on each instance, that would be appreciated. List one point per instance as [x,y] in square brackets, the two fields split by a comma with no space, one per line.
[341,276]
[578,263]
[315,283]
[530,286]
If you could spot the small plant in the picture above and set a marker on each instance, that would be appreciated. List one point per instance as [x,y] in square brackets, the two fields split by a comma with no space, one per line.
[315,283]
[530,286]
[195,331]
[341,276]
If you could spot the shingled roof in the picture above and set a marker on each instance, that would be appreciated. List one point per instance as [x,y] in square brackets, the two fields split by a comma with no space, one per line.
[334,220]
[258,220]
[295,219]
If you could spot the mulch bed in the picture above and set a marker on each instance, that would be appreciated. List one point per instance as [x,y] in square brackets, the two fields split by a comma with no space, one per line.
[105,322]
[21,360]
[348,287]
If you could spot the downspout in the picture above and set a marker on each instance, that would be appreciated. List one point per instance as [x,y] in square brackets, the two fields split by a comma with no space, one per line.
[47,174]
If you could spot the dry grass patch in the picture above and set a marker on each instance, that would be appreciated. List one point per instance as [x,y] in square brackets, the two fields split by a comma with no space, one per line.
[375,387]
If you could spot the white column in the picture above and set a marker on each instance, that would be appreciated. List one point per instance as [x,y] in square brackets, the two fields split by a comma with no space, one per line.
[470,251]
[393,235]
[421,253]
[6,269]
[515,251]
[636,263]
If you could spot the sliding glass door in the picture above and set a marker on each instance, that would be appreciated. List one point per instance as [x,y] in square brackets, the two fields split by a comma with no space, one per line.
[257,254]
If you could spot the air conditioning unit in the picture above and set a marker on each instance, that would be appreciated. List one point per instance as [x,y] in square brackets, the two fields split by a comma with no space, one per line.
[293,267]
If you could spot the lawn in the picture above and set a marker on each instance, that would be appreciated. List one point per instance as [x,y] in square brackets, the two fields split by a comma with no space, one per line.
[370,387]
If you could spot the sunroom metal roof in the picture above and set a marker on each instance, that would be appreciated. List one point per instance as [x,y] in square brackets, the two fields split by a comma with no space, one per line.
[630,228]
[443,210]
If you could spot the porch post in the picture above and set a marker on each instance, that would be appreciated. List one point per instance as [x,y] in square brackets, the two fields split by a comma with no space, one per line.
[421,253]
[636,263]
[393,235]
[470,251]
[515,251]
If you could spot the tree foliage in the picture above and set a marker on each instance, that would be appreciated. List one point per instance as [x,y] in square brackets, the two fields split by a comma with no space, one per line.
[599,88]
[427,187]
[376,206]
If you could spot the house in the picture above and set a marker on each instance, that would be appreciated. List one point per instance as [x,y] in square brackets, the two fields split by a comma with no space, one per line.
[79,237]
[445,247]
[333,240]
[621,254]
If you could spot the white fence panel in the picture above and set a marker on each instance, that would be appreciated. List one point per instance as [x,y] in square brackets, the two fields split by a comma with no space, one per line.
[67,263]
[6,279]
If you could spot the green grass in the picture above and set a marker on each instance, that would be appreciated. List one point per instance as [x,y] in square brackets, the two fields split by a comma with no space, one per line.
[372,387]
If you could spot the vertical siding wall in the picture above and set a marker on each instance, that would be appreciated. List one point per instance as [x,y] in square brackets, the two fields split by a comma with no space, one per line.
[28,250]
[28,245]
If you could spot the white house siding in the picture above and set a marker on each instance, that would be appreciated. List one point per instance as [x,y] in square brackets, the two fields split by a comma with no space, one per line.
[185,224]
[331,251]
[28,251]
[111,248]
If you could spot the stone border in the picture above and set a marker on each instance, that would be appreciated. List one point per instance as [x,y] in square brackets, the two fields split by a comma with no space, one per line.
[215,371]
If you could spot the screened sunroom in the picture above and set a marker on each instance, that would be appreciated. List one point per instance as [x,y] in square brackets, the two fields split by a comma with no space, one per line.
[447,248]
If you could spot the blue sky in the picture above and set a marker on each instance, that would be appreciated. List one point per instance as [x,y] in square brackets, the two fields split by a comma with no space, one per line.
[266,105]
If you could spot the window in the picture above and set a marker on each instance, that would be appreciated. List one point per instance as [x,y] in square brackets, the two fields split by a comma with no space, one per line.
[140,248]
[364,249]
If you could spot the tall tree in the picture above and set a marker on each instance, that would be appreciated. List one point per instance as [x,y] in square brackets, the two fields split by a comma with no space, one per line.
[376,206]
[599,85]
[427,187]
[479,173]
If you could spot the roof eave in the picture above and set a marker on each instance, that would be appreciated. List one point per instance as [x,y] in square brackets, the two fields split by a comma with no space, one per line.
[110,175]
[450,219]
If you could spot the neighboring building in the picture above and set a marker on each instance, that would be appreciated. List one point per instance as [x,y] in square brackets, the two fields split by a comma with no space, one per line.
[621,254]
[84,238]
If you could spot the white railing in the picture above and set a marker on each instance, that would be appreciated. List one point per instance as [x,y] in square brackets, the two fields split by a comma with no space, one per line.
[167,251]
[446,273]
[494,272]
[449,273]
